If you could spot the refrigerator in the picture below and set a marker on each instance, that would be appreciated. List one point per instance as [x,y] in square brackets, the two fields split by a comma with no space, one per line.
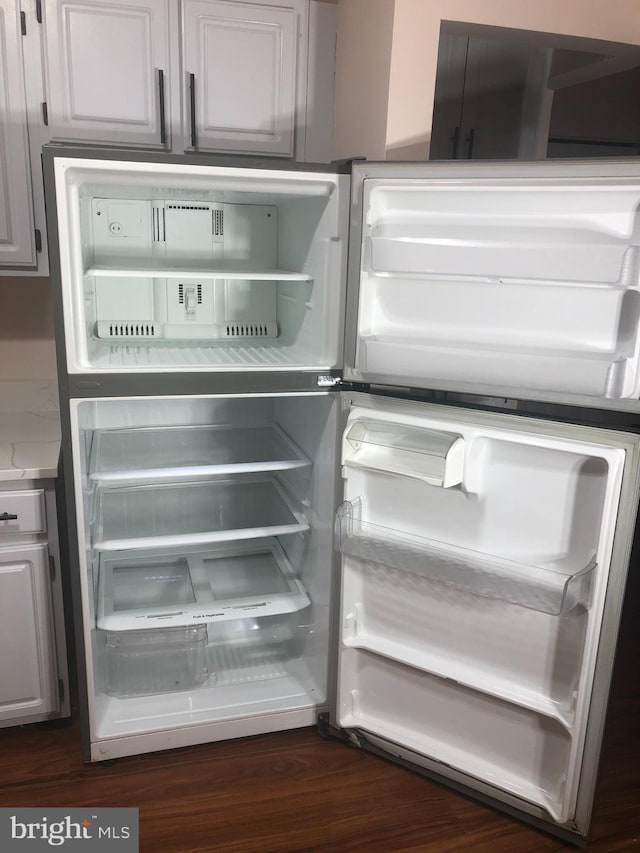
[352,446]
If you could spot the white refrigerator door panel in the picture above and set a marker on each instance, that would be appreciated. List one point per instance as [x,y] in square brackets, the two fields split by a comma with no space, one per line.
[478,618]
[504,279]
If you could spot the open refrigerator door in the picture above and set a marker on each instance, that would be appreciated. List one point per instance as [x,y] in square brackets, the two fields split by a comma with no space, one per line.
[483,562]
[503,279]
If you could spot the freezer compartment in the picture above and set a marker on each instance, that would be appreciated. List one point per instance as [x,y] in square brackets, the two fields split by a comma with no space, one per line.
[190,586]
[430,455]
[164,660]
[199,268]
[173,514]
[549,589]
[513,749]
[164,453]
[522,284]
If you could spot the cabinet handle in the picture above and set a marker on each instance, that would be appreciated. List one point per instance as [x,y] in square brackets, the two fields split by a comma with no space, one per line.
[8,516]
[192,106]
[456,142]
[163,128]
[470,139]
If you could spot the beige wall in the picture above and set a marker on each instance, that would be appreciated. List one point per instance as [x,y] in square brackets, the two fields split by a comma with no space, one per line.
[27,349]
[404,102]
[363,56]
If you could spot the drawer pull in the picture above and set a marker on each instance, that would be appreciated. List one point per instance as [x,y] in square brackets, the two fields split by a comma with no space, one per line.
[8,516]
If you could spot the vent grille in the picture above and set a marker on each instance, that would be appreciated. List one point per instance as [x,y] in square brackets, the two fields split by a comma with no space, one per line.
[181,294]
[247,330]
[217,217]
[188,207]
[132,330]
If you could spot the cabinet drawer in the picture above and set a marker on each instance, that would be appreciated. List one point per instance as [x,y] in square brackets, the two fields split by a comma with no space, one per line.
[22,512]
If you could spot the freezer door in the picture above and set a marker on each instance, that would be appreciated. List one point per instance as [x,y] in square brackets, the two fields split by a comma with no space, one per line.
[483,566]
[503,279]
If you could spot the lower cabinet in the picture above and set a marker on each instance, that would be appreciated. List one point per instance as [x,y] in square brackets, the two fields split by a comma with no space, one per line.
[33,666]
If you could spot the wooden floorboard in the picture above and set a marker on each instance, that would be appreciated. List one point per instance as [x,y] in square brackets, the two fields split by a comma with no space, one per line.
[293,792]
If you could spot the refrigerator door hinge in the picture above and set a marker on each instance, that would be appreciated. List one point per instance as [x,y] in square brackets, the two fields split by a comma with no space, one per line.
[329,732]
[327,381]
[61,689]
[39,11]
[45,114]
[38,240]
[52,568]
[23,23]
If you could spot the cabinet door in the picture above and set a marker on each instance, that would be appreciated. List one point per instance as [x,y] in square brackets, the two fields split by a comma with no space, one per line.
[494,91]
[27,655]
[240,63]
[17,240]
[107,64]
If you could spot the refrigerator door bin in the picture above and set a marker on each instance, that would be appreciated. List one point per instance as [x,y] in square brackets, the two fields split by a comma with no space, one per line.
[163,453]
[179,514]
[216,585]
[514,749]
[548,589]
[435,457]
[524,657]
[162,660]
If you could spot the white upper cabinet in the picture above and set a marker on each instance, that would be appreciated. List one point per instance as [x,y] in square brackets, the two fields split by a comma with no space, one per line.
[17,235]
[243,67]
[107,67]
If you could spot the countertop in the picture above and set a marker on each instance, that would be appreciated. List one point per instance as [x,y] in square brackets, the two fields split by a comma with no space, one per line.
[29,430]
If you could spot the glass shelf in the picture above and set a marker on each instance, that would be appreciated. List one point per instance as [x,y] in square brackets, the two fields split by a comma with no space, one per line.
[195,586]
[126,455]
[129,270]
[435,457]
[181,514]
[547,589]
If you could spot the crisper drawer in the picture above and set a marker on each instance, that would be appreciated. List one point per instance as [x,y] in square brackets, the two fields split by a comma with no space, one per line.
[22,512]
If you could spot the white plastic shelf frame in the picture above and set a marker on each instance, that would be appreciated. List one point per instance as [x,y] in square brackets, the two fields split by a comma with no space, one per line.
[549,589]
[198,513]
[194,586]
[163,453]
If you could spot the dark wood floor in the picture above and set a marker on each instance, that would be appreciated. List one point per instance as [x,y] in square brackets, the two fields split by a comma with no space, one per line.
[295,793]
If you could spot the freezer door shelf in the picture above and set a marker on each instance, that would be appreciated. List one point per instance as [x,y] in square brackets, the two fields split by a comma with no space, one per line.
[513,278]
[183,514]
[193,587]
[548,589]
[163,453]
